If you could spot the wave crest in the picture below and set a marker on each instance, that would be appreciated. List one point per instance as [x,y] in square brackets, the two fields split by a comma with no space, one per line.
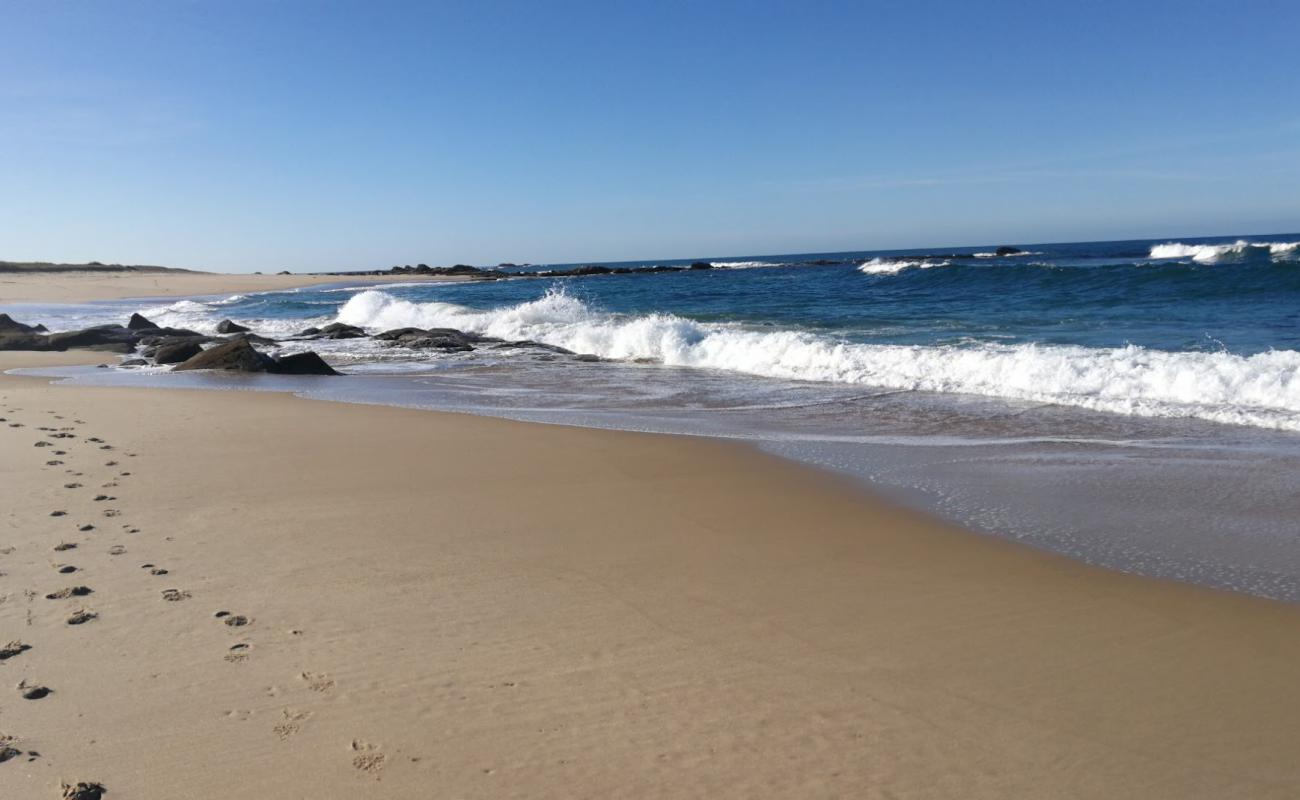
[1261,390]
[1239,250]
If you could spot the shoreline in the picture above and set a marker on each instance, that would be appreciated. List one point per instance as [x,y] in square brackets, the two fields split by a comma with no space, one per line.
[502,609]
[79,287]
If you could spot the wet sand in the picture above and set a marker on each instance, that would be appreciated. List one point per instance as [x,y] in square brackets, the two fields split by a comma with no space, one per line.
[444,605]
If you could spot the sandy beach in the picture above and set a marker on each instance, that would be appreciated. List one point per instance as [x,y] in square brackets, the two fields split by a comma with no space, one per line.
[291,598]
[46,286]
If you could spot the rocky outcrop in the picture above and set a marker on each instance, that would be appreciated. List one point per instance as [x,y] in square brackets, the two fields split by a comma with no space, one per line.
[1008,250]
[237,355]
[139,323]
[335,330]
[226,326]
[176,352]
[9,325]
[307,363]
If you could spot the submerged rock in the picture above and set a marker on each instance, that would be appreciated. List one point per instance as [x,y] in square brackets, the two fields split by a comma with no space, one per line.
[226,326]
[1008,250]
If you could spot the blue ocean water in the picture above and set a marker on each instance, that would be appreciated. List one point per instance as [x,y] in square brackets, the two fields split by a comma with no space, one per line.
[1133,404]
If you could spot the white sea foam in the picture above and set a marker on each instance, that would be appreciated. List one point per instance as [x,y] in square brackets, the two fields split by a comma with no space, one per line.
[745,264]
[888,266]
[1261,390]
[1212,253]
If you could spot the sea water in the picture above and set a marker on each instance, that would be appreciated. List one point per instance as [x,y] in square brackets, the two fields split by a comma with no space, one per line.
[1132,404]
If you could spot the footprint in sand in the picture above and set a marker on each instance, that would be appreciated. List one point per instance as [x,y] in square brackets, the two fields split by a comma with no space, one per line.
[111,512]
[82,617]
[34,692]
[9,752]
[65,569]
[12,649]
[317,682]
[368,759]
[83,791]
[58,513]
[71,591]
[175,595]
[53,463]
[71,486]
[61,546]
[238,653]
[233,620]
[291,724]
[86,527]
[116,550]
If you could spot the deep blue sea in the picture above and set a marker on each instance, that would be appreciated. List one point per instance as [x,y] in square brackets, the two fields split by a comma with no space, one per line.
[1134,404]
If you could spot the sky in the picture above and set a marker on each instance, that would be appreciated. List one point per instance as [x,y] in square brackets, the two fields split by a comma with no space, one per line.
[241,136]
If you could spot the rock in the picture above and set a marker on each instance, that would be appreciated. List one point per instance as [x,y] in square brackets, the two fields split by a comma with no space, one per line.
[701,265]
[309,331]
[10,325]
[171,336]
[531,345]
[139,323]
[135,362]
[284,272]
[26,341]
[398,333]
[177,352]
[1008,250]
[307,363]
[336,330]
[588,357]
[236,354]
[253,338]
[93,337]
[226,326]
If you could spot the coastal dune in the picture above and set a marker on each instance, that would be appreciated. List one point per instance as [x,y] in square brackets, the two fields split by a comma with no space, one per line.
[295,598]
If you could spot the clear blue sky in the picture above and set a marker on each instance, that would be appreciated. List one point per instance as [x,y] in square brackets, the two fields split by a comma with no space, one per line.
[266,135]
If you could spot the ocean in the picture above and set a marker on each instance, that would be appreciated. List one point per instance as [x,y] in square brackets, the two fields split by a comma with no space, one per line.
[1132,404]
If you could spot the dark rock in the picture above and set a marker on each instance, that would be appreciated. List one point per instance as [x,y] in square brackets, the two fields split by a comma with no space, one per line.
[176,352]
[254,339]
[309,331]
[701,265]
[335,330]
[93,337]
[10,325]
[284,272]
[531,345]
[1008,250]
[588,357]
[398,333]
[139,323]
[136,362]
[226,326]
[307,363]
[237,354]
[26,341]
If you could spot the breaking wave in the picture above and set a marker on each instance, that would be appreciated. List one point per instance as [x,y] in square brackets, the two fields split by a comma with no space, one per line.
[1240,250]
[1261,390]
[889,266]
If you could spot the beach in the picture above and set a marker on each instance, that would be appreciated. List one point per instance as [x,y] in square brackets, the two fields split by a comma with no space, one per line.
[434,604]
[71,286]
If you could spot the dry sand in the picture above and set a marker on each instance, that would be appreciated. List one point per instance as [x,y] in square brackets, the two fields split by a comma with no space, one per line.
[450,606]
[48,286]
